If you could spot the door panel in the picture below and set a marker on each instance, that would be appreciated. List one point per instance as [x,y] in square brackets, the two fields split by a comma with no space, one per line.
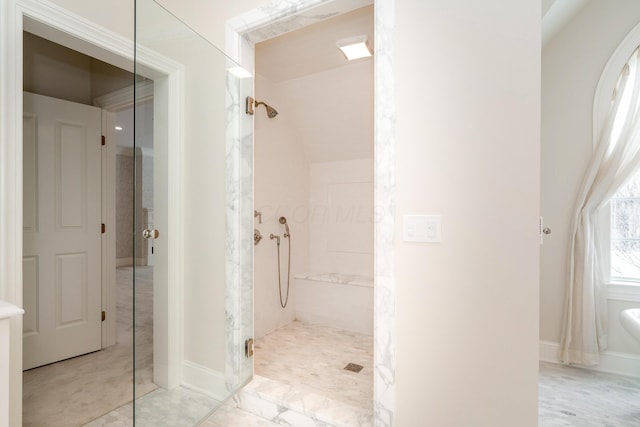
[62,233]
[71,196]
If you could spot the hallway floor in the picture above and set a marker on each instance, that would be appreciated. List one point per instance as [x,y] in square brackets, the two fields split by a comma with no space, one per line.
[75,391]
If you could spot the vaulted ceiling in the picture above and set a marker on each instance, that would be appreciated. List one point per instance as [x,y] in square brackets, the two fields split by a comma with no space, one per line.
[335,121]
[325,99]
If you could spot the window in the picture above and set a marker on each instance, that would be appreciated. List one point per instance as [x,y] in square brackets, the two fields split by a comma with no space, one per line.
[624,255]
[625,232]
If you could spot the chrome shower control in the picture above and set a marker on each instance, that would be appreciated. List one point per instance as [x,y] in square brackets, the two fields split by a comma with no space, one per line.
[150,234]
[257,236]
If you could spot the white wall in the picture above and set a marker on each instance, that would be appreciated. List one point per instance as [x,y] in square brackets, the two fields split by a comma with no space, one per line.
[281,188]
[116,15]
[341,217]
[467,135]
[208,17]
[468,88]
[333,109]
[204,192]
[572,64]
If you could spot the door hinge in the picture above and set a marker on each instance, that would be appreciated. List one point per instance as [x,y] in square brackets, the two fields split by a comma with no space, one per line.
[103,140]
[104,315]
[248,347]
[103,228]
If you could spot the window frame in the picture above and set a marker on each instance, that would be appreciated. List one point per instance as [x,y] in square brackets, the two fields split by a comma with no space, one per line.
[618,288]
[618,279]
[621,290]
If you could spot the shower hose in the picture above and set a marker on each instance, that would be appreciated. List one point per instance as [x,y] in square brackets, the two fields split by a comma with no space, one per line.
[286,299]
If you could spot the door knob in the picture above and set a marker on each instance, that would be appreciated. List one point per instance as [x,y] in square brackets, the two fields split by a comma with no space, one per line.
[150,234]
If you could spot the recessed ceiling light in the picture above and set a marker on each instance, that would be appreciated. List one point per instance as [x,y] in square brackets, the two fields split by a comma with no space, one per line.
[355,47]
[118,127]
[240,72]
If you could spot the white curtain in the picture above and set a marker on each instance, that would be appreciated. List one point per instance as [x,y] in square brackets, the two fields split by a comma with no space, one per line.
[615,160]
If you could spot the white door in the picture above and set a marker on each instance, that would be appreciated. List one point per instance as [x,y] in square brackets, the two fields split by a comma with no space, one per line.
[61,230]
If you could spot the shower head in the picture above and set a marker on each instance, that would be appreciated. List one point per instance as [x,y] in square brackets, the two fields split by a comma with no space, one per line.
[251,104]
[283,221]
[271,112]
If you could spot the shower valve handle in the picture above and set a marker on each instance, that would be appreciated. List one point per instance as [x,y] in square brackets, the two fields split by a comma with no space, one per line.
[275,236]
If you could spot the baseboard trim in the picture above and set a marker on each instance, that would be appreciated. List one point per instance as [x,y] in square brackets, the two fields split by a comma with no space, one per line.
[203,379]
[124,262]
[611,362]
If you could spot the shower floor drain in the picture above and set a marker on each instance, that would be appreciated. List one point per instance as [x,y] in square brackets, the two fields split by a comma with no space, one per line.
[353,367]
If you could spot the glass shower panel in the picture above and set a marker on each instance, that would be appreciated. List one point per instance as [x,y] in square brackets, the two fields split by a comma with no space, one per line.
[193,223]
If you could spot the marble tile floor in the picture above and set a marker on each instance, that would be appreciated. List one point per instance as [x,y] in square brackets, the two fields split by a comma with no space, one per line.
[312,358]
[571,396]
[75,391]
[180,407]
[300,378]
[568,396]
[291,406]
[229,415]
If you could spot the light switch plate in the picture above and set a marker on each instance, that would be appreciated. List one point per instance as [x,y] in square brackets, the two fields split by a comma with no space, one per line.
[421,228]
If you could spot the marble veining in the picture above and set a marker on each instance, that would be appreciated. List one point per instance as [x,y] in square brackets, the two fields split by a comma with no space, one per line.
[298,14]
[384,195]
[301,381]
[233,237]
[288,405]
[312,358]
[571,396]
[345,279]
[239,230]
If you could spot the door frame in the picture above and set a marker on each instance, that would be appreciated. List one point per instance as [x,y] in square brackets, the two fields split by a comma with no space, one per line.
[54,23]
[270,21]
[111,103]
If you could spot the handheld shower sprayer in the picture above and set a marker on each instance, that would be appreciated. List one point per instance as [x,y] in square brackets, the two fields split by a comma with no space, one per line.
[283,221]
[287,235]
